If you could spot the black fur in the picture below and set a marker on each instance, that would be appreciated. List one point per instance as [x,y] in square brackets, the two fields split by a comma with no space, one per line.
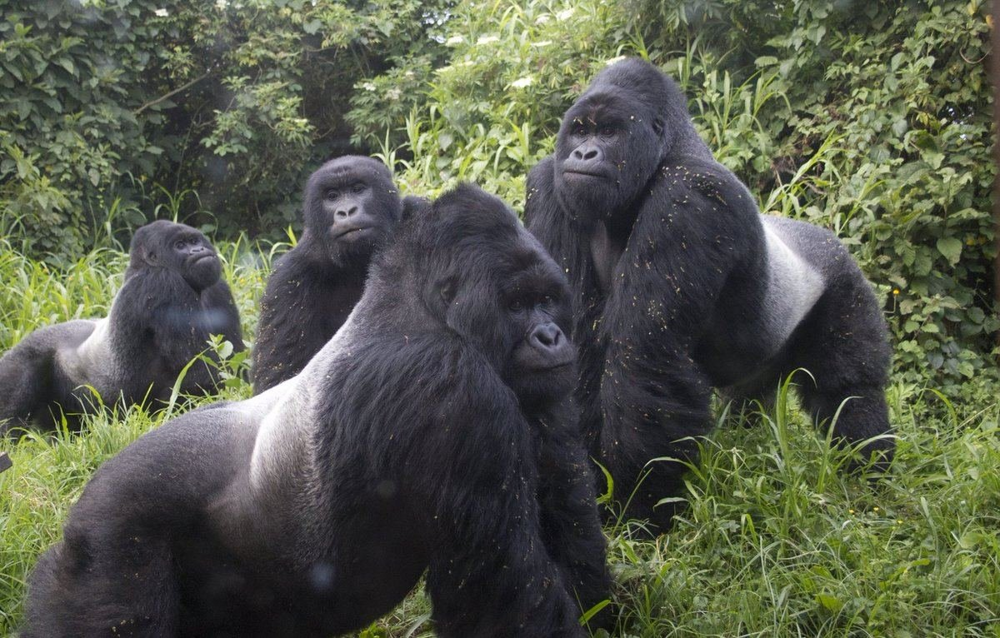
[171,301]
[676,290]
[316,284]
[434,432]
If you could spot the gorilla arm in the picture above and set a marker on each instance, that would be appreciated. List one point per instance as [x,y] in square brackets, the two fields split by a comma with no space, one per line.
[696,227]
[280,346]
[570,529]
[497,564]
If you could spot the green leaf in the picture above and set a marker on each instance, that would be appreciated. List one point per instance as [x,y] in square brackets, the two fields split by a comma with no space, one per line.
[951,248]
[829,602]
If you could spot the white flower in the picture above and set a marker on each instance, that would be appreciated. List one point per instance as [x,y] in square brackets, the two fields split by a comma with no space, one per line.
[522,83]
[393,94]
[614,60]
[565,14]
[221,4]
[543,43]
[163,13]
[454,40]
[487,39]
[368,86]
[542,19]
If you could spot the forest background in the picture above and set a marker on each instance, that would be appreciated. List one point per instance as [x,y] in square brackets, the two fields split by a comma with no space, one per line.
[872,118]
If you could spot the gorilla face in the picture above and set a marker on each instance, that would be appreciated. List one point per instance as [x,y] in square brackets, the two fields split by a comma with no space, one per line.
[180,248]
[608,149]
[503,273]
[351,206]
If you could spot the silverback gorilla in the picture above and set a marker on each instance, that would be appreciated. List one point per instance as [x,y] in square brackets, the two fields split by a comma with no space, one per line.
[680,285]
[350,206]
[171,301]
[434,432]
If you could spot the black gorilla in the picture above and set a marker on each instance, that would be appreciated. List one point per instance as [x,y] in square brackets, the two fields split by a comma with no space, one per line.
[351,205]
[171,301]
[680,285]
[434,431]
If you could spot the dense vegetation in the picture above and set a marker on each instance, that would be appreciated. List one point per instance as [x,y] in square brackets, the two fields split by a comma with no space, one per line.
[871,118]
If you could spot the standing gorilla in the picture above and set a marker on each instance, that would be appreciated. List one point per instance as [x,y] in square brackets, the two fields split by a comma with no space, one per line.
[351,205]
[434,431]
[171,301]
[680,285]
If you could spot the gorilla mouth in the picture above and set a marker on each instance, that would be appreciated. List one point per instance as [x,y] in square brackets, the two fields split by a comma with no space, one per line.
[354,231]
[199,258]
[543,367]
[568,173]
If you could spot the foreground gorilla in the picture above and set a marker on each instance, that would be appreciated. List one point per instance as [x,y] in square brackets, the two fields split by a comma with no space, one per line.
[171,301]
[351,205]
[434,431]
[680,285]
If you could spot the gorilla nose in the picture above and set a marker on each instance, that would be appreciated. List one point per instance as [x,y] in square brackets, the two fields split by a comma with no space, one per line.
[344,213]
[588,153]
[547,336]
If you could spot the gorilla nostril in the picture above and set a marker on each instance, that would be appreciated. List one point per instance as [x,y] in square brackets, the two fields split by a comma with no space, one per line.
[590,155]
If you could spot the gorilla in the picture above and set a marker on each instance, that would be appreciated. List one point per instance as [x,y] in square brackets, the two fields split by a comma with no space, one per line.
[171,301]
[351,205]
[680,285]
[434,432]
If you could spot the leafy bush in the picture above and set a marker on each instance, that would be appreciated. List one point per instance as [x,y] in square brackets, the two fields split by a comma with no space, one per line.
[116,104]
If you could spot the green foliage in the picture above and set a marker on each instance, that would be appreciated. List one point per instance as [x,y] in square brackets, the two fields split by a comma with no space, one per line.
[490,112]
[235,101]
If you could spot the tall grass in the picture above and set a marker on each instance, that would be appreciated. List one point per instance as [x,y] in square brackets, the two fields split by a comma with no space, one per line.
[776,540]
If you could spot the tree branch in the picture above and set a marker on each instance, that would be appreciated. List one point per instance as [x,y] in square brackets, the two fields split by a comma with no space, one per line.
[163,98]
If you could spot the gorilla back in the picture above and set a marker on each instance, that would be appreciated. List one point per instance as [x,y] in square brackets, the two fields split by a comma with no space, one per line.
[351,205]
[171,301]
[434,432]
[680,286]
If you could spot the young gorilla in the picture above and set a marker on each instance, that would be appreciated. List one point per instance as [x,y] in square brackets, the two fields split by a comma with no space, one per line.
[680,285]
[351,205]
[171,301]
[434,431]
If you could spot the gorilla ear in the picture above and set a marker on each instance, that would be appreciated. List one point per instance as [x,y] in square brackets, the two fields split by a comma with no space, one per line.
[447,288]
[658,126]
[443,292]
[413,205]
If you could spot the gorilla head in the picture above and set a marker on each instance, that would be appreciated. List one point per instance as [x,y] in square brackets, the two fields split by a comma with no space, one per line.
[486,280]
[175,247]
[351,205]
[616,135]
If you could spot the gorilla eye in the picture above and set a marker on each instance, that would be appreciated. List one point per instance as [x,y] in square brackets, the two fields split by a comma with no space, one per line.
[580,130]
[607,131]
[357,188]
[332,194]
[180,244]
[516,305]
[548,299]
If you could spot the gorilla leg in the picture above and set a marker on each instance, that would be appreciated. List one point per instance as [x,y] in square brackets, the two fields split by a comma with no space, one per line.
[844,345]
[124,586]
[25,382]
